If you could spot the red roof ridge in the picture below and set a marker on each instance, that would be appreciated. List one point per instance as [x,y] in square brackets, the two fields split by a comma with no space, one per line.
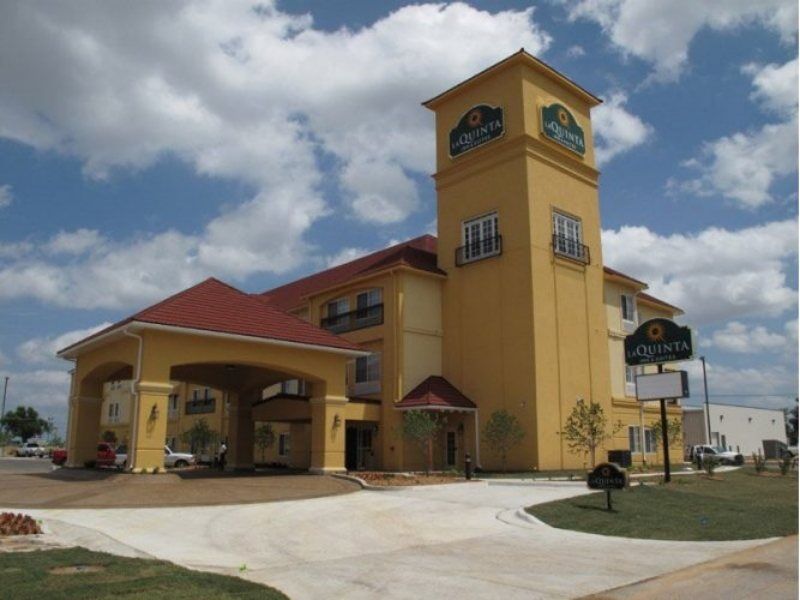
[435,392]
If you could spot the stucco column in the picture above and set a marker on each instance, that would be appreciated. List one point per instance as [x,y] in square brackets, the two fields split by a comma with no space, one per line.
[327,434]
[148,426]
[84,430]
[240,433]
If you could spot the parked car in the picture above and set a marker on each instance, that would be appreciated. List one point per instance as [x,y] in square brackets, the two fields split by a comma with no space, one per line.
[725,457]
[32,449]
[106,457]
[171,459]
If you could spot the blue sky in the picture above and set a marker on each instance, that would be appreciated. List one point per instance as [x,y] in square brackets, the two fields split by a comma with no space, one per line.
[145,147]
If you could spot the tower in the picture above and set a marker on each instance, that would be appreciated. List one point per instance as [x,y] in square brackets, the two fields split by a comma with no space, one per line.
[524,324]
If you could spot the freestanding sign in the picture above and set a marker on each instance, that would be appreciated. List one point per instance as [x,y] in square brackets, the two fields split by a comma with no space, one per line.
[607,476]
[656,342]
[655,386]
[479,125]
[559,125]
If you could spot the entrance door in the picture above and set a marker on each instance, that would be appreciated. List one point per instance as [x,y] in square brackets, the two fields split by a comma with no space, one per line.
[451,449]
[351,448]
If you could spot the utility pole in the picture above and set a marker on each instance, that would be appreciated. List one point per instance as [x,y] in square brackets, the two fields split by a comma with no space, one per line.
[5,391]
[708,408]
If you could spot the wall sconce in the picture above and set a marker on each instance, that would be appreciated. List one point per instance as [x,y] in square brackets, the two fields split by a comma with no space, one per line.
[375,429]
[461,428]
[154,412]
[337,421]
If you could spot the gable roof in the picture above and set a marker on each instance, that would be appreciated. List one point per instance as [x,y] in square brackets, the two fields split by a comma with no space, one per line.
[215,306]
[659,302]
[435,393]
[418,253]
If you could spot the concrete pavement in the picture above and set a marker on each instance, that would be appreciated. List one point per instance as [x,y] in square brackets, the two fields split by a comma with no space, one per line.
[460,541]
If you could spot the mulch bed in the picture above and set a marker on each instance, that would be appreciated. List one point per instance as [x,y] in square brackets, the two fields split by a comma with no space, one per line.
[405,479]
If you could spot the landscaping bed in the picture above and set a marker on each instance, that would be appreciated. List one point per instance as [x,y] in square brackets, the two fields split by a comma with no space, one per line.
[734,505]
[405,479]
[77,573]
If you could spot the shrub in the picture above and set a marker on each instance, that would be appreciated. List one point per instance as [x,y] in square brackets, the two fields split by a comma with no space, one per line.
[19,524]
[759,462]
[787,463]
[710,463]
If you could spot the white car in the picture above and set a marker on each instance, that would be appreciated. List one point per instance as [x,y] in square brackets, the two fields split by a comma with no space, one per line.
[171,459]
[32,449]
[723,456]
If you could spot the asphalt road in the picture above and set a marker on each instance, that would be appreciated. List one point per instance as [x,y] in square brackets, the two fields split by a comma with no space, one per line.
[20,466]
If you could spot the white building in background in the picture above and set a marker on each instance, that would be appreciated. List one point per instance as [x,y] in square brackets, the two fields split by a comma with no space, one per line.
[741,429]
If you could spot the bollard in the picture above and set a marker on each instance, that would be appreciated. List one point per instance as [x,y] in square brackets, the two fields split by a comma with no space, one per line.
[468,466]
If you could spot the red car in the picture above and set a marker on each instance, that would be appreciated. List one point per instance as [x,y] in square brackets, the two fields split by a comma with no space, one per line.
[105,456]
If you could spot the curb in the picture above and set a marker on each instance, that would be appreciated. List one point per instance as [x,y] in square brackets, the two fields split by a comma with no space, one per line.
[364,485]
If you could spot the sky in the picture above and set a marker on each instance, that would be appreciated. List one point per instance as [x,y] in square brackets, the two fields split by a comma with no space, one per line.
[146,146]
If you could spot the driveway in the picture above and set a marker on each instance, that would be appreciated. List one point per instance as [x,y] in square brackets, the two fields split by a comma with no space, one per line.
[459,541]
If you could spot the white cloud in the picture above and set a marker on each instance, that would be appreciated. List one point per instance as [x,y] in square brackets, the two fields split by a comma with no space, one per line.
[744,166]
[776,86]
[715,275]
[74,242]
[6,197]
[576,51]
[616,129]
[240,91]
[739,338]
[661,32]
[43,349]
[345,256]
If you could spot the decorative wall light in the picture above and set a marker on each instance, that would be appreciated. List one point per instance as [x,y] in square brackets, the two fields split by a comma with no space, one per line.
[154,412]
[337,421]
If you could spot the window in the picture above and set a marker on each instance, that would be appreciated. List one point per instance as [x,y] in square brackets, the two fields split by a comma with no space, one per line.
[635,440]
[368,368]
[195,394]
[284,444]
[628,307]
[337,318]
[369,309]
[206,393]
[630,380]
[567,238]
[481,238]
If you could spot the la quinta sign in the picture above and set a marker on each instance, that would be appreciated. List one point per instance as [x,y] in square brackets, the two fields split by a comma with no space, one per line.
[658,341]
[559,125]
[479,125]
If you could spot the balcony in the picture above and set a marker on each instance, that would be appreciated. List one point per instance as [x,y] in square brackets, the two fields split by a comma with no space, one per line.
[355,319]
[485,248]
[200,406]
[570,249]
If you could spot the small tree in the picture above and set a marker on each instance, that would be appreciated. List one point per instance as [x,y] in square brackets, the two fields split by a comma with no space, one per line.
[265,438]
[199,436]
[24,422]
[502,432]
[109,436]
[674,431]
[587,428]
[421,428]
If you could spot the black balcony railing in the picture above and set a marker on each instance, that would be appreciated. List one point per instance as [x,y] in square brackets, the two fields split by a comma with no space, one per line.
[479,250]
[200,406]
[355,319]
[571,249]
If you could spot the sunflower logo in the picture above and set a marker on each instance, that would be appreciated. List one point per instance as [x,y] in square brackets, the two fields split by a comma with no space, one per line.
[475,118]
[563,117]
[605,471]
[655,332]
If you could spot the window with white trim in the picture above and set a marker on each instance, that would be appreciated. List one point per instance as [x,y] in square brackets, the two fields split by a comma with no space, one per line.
[480,237]
[630,380]
[568,236]
[369,309]
[338,307]
[635,440]
[628,307]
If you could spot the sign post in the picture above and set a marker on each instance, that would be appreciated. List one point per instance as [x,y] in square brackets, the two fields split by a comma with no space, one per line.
[656,342]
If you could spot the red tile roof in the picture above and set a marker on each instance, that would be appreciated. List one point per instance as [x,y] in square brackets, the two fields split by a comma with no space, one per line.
[419,253]
[435,392]
[654,300]
[216,306]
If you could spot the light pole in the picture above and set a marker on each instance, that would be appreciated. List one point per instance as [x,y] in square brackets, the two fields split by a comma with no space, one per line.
[708,409]
[5,390]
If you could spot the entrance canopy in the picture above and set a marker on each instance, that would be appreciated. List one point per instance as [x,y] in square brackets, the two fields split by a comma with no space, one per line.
[436,393]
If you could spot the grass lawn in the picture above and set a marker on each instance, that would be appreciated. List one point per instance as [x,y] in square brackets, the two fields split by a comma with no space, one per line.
[575,474]
[29,575]
[735,505]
